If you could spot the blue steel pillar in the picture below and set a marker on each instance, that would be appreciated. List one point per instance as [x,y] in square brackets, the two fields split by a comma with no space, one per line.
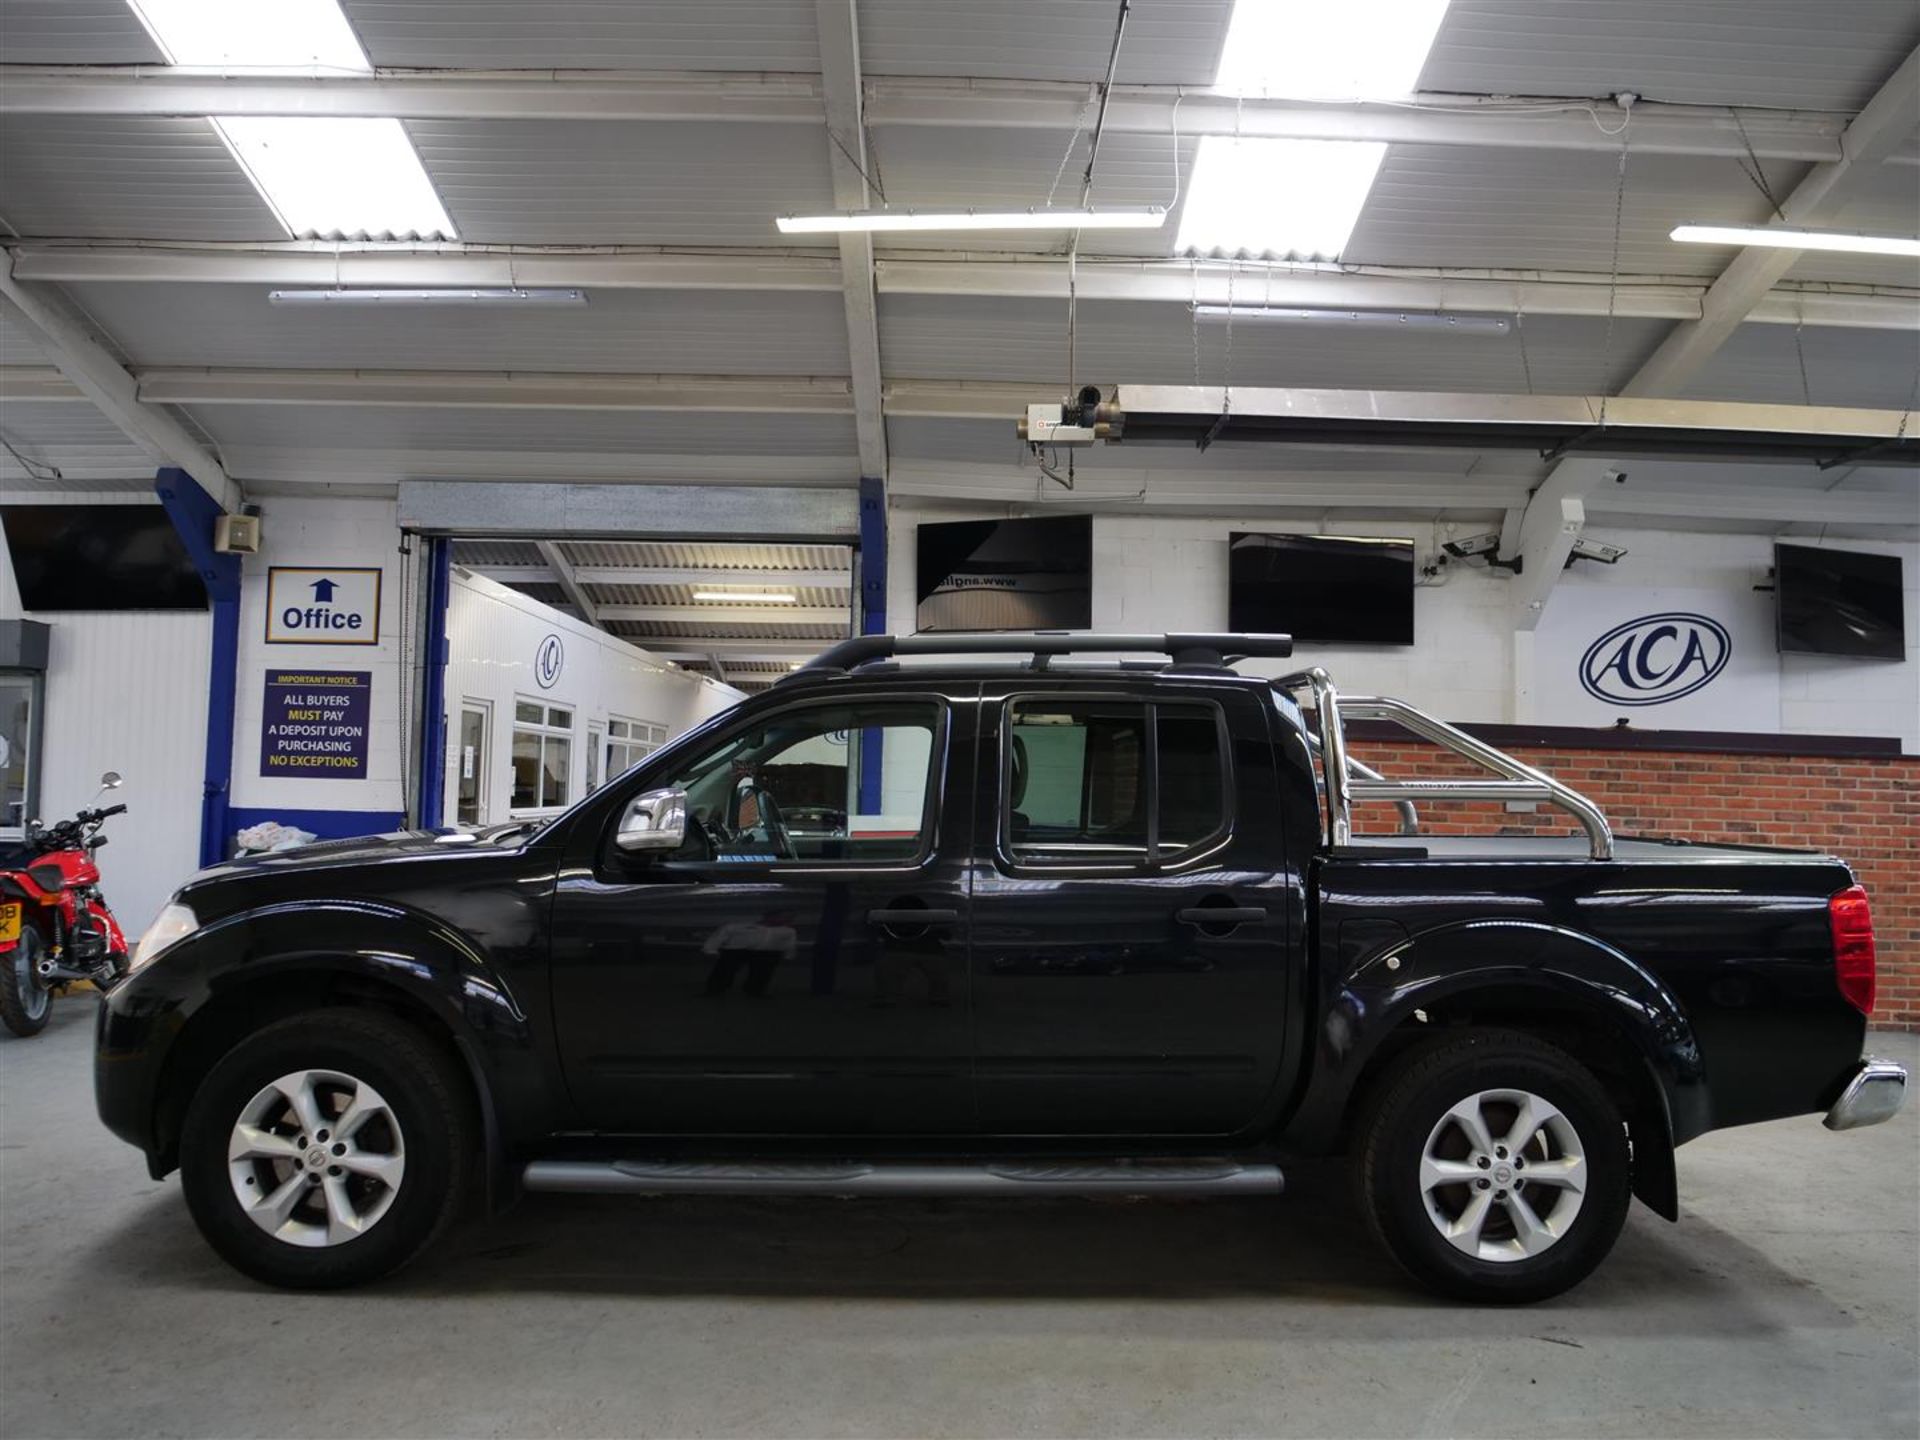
[433,687]
[193,512]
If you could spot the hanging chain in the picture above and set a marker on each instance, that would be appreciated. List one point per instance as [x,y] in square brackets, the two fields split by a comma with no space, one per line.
[1526,361]
[1800,352]
[1073,143]
[1226,374]
[1752,167]
[1193,314]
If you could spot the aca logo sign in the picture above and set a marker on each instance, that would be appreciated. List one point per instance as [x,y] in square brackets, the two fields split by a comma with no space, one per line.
[548,661]
[1655,659]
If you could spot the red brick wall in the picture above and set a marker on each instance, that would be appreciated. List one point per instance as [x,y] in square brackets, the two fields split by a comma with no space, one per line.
[1866,811]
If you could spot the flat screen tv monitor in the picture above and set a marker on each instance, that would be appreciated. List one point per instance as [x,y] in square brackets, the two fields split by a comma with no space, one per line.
[1034,574]
[1324,589]
[100,557]
[1839,602]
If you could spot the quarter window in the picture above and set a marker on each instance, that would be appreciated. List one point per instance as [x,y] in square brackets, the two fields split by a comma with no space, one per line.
[1097,782]
[542,755]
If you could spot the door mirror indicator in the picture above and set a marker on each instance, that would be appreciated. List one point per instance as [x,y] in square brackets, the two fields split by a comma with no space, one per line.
[656,820]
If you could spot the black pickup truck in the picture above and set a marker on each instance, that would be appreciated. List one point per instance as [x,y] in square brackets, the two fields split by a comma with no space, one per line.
[991,928]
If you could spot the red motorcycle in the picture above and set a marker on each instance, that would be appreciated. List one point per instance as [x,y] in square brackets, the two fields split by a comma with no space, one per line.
[54,926]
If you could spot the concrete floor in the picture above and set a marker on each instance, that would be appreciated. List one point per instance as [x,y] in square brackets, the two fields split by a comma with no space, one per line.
[1783,1304]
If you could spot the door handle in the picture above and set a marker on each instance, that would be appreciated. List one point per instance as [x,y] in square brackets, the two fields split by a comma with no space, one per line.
[912,915]
[1221,915]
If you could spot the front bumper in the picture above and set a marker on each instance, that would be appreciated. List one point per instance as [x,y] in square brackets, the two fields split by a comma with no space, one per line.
[1873,1094]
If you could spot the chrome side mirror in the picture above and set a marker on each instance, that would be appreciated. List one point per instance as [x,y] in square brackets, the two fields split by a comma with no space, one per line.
[110,780]
[656,820]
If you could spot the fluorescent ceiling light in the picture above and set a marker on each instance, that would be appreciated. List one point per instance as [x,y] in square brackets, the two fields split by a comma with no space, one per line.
[336,178]
[252,32]
[427,297]
[748,597]
[1141,218]
[1349,49]
[1277,197]
[1360,319]
[1785,237]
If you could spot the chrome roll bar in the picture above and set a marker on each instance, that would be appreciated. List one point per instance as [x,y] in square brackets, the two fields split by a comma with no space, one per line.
[1347,780]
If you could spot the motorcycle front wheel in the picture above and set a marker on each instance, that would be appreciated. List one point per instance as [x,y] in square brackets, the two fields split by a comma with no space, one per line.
[25,1002]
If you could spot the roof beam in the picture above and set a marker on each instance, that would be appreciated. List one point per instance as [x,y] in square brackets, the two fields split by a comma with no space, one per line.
[101,378]
[481,509]
[561,570]
[298,263]
[717,614]
[699,652]
[846,141]
[670,575]
[789,395]
[792,99]
[1884,126]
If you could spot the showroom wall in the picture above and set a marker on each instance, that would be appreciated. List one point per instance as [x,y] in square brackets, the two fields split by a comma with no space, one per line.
[1157,573]
[506,649]
[126,691]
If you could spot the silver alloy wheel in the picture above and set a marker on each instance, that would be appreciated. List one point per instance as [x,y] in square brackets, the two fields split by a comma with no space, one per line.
[316,1158]
[35,996]
[1503,1175]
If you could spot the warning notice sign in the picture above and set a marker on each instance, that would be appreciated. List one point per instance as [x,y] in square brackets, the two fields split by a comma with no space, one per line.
[315,722]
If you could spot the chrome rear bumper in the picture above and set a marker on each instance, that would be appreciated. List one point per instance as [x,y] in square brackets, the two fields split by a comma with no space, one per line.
[1874,1094]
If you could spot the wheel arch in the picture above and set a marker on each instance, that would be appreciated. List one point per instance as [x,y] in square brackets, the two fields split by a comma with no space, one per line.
[252,970]
[1597,1004]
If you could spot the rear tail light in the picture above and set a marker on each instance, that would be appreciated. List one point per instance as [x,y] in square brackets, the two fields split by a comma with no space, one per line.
[1851,920]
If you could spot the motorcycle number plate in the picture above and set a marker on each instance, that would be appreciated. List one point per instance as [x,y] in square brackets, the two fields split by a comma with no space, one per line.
[9,922]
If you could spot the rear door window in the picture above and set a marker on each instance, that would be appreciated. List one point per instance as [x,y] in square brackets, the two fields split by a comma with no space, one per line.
[1111,783]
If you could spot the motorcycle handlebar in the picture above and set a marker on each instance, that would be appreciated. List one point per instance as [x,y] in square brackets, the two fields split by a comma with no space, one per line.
[113,810]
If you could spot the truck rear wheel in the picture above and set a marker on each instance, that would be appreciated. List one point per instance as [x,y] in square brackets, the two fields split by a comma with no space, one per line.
[1495,1168]
[326,1150]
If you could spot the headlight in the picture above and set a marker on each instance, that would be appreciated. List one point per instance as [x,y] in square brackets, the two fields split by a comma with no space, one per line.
[173,924]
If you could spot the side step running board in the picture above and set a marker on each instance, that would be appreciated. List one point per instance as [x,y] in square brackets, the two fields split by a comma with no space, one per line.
[1184,1177]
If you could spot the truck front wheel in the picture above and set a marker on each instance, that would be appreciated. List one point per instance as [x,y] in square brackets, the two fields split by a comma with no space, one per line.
[326,1149]
[1495,1168]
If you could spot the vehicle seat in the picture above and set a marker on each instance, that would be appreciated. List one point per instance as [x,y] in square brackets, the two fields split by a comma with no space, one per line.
[1017,824]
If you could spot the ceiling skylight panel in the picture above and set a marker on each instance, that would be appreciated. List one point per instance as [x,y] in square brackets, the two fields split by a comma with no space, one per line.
[1276,197]
[298,33]
[325,177]
[338,178]
[1328,49]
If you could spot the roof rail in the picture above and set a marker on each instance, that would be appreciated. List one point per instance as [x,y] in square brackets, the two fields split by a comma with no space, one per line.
[1198,649]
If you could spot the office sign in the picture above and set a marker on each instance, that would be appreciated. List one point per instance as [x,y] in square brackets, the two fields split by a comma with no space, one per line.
[1658,659]
[315,722]
[323,605]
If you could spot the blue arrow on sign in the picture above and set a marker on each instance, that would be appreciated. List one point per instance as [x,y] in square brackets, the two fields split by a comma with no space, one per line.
[323,592]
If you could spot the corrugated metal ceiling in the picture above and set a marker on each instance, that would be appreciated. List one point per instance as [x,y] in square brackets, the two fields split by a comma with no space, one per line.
[998,339]
[1830,55]
[74,32]
[1551,209]
[589,34]
[598,183]
[1169,42]
[135,177]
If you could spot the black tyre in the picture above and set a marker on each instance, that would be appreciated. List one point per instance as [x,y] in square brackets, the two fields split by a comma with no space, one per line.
[25,1002]
[327,1150]
[1494,1168]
